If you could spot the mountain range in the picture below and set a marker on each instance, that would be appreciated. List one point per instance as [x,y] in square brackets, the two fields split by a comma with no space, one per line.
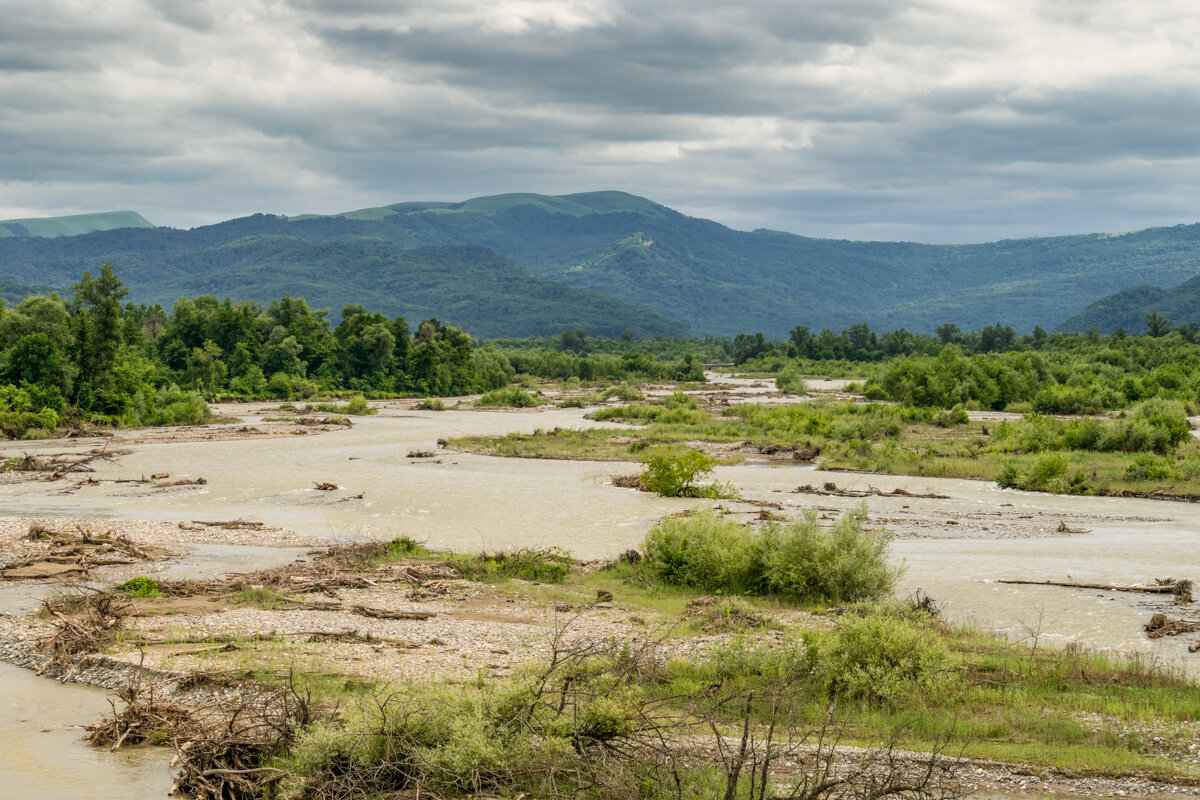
[527,264]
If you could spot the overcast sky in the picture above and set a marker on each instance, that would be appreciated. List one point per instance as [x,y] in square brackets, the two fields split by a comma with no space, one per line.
[936,121]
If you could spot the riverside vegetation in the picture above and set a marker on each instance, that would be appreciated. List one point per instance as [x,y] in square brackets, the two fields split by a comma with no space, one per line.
[788,674]
[1147,449]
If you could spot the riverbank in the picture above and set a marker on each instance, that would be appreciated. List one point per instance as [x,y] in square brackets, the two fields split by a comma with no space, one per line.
[389,621]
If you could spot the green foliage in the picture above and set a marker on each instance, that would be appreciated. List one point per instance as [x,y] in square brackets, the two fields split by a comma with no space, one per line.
[879,657]
[1050,473]
[799,560]
[141,586]
[1157,426]
[846,564]
[510,398]
[792,382]
[542,565]
[534,734]
[261,597]
[402,547]
[677,474]
[706,551]
[625,393]
[432,404]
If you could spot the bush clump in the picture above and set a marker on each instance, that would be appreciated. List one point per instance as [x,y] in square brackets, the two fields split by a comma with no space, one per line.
[674,474]
[799,560]
[545,566]
[876,658]
[540,733]
[140,586]
[625,392]
[1050,473]
[511,397]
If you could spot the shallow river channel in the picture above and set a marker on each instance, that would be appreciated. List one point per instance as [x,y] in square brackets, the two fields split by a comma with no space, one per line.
[954,549]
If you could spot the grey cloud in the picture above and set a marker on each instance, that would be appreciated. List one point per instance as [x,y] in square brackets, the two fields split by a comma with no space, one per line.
[939,120]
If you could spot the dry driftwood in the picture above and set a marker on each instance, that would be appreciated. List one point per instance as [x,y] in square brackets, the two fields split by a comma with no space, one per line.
[831,489]
[1161,625]
[232,524]
[383,613]
[73,553]
[1182,589]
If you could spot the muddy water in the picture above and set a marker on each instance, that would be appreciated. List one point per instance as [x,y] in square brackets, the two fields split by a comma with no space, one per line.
[43,758]
[455,500]
[1129,541]
[464,501]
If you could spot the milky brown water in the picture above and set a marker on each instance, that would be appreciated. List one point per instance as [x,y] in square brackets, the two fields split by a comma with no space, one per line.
[42,757]
[470,502]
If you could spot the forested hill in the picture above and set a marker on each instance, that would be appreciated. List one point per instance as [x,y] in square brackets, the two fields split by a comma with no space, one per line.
[712,278]
[484,291]
[1128,309]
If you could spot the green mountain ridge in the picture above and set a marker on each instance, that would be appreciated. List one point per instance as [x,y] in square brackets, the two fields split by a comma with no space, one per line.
[711,278]
[1128,308]
[484,291]
[73,225]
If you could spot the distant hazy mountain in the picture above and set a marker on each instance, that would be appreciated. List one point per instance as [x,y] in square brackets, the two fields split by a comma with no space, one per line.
[1128,308]
[73,225]
[698,272]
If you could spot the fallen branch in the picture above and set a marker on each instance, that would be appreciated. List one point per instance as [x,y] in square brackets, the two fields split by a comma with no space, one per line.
[1181,589]
[233,523]
[383,613]
[831,489]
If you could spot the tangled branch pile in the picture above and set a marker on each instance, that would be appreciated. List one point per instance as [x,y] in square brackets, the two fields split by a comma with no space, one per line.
[86,622]
[142,718]
[57,553]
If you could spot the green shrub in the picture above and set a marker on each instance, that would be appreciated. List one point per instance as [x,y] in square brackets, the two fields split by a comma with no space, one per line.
[799,560]
[141,586]
[357,405]
[675,474]
[169,406]
[545,566]
[1146,466]
[531,735]
[706,551]
[403,546]
[1045,470]
[789,381]
[432,404]
[508,398]
[877,658]
[625,392]
[845,564]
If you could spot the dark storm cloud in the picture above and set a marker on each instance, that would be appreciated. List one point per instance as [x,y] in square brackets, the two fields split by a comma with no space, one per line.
[939,120]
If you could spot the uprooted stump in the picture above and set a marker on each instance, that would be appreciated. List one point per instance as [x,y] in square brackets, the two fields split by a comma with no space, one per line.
[325,486]
[1161,625]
